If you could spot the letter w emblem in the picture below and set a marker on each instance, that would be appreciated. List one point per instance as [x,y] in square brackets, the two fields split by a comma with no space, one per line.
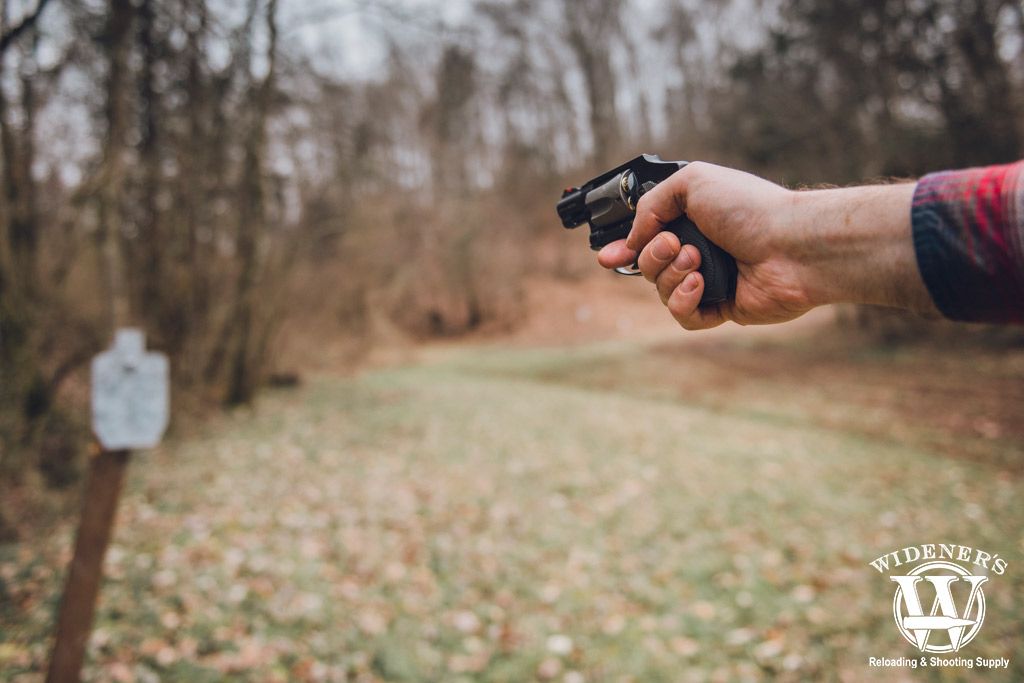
[943,615]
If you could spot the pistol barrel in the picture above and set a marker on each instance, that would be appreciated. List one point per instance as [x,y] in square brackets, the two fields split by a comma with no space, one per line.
[572,208]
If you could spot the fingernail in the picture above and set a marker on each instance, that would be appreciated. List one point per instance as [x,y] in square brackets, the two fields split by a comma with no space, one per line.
[683,261]
[661,249]
[689,283]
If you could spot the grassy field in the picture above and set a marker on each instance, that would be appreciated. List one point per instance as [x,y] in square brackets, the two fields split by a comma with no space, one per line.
[688,511]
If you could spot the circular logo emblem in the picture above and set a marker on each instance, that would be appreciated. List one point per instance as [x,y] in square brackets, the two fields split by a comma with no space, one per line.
[941,627]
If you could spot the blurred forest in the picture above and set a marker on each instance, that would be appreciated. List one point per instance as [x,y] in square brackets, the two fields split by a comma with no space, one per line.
[197,168]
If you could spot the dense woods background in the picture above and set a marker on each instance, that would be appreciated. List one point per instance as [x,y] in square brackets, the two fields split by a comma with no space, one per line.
[208,170]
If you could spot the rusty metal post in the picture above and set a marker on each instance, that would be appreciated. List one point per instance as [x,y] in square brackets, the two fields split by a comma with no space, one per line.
[85,574]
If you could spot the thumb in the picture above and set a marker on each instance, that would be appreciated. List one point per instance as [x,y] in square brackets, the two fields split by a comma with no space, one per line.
[665,202]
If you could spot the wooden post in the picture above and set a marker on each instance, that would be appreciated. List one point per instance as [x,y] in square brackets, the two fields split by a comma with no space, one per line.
[130,410]
[78,606]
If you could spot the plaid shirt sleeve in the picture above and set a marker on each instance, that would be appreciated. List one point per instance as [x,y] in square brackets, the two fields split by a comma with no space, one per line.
[968,229]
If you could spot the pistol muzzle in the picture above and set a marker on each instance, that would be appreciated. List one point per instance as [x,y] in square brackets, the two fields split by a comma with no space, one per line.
[572,208]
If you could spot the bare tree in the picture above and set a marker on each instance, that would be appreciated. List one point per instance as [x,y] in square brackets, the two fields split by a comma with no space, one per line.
[591,35]
[248,329]
[110,179]
[847,90]
[23,386]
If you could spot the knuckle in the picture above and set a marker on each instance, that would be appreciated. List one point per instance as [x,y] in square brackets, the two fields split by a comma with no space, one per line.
[656,207]
[667,282]
[650,267]
[664,291]
[680,307]
[698,170]
[687,322]
[695,257]
[643,204]
[649,273]
[683,263]
[696,167]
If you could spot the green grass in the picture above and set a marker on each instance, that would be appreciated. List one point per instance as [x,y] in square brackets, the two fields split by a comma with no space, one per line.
[580,515]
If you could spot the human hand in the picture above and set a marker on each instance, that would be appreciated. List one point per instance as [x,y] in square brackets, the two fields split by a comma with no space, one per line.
[743,214]
[793,250]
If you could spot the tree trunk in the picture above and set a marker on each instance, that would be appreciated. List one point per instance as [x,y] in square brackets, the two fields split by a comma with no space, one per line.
[111,175]
[247,327]
[151,251]
[24,392]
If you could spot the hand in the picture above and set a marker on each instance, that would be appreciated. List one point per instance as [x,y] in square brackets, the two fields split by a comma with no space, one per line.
[793,250]
[739,212]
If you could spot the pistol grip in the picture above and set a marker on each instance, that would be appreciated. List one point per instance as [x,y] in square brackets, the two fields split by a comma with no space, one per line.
[716,266]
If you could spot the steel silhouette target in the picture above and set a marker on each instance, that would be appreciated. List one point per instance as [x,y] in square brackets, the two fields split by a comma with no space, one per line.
[130,393]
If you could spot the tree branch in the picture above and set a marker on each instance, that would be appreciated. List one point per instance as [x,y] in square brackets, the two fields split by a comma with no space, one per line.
[28,22]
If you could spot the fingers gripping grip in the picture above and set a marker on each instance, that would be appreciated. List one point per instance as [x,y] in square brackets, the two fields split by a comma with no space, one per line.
[717,267]
[608,204]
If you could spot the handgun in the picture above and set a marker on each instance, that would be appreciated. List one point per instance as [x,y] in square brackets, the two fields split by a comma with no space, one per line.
[608,204]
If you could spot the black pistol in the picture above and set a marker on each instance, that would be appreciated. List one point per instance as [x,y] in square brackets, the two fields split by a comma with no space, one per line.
[608,204]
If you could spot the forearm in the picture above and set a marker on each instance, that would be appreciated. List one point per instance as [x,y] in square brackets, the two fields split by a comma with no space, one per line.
[855,245]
